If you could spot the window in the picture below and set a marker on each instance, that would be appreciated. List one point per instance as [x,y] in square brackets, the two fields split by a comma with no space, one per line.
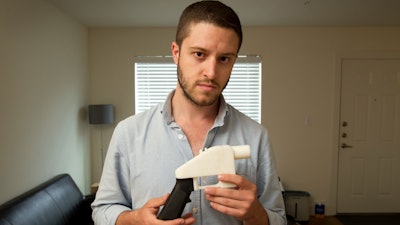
[155,77]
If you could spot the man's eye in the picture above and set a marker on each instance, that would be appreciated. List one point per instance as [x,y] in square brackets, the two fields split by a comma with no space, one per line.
[224,59]
[198,54]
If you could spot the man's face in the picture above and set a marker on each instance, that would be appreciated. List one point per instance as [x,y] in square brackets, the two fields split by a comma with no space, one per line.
[205,61]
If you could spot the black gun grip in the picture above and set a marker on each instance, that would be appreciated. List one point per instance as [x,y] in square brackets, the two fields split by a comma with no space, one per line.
[177,200]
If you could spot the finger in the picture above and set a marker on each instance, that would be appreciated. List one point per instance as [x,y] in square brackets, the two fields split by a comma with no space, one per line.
[241,182]
[179,221]
[187,215]
[231,198]
[229,193]
[234,179]
[236,203]
[225,209]
[157,202]
[190,220]
[233,207]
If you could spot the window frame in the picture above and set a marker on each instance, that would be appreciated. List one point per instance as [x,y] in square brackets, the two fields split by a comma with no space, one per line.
[246,70]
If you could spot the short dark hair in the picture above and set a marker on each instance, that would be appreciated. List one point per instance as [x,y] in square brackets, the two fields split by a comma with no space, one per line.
[213,12]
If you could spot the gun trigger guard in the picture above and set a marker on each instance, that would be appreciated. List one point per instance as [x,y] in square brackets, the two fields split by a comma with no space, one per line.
[220,184]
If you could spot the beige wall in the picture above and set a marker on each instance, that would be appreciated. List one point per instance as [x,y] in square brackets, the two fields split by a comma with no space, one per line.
[300,81]
[43,96]
[111,61]
[44,91]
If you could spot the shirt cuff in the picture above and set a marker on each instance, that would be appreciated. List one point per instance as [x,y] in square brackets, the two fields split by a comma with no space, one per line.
[113,212]
[275,218]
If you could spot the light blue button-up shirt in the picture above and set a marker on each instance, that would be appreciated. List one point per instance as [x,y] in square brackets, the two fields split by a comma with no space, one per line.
[146,149]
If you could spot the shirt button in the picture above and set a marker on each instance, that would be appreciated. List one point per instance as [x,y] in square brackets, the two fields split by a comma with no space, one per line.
[181,136]
[195,210]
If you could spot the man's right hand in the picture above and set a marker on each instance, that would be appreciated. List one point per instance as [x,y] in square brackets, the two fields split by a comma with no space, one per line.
[147,215]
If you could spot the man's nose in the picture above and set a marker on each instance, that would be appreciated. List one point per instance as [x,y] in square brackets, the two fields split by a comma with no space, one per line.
[210,68]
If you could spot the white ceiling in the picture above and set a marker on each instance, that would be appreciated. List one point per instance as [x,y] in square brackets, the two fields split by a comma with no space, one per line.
[117,13]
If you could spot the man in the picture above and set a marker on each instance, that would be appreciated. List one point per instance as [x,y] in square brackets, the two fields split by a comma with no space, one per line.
[146,148]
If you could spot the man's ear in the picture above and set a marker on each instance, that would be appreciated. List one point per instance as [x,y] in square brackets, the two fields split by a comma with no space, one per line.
[175,52]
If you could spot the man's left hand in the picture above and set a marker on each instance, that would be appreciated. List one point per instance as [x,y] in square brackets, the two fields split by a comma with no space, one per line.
[240,202]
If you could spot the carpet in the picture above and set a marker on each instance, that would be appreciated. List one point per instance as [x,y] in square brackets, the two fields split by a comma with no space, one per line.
[369,219]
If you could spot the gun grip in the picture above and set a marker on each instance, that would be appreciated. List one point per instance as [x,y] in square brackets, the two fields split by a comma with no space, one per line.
[177,200]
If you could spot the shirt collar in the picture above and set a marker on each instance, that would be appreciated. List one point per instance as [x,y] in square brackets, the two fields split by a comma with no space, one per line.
[167,110]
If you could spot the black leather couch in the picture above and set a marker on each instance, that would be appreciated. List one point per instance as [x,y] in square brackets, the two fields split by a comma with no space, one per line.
[55,202]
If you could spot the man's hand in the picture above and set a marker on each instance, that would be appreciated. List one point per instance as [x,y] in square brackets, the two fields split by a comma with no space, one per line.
[147,215]
[241,202]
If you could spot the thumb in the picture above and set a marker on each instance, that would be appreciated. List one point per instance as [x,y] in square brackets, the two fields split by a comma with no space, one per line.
[157,202]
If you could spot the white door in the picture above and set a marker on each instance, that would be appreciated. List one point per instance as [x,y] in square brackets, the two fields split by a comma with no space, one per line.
[369,148]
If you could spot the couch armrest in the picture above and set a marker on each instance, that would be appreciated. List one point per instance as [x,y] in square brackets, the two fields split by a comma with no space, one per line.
[84,213]
[88,200]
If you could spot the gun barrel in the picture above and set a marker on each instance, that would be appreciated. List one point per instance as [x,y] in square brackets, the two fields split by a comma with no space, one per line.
[241,152]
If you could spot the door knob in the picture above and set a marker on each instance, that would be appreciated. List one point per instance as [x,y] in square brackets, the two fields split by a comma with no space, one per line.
[344,145]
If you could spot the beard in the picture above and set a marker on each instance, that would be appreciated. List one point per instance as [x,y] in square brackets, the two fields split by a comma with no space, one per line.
[206,98]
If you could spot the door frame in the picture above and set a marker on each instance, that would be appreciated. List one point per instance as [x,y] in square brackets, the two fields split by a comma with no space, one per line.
[339,57]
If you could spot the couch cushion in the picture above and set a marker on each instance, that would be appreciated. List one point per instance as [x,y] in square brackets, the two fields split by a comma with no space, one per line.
[66,195]
[4,222]
[37,209]
[51,203]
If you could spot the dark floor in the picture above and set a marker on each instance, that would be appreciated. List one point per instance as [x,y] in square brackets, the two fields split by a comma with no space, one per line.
[369,219]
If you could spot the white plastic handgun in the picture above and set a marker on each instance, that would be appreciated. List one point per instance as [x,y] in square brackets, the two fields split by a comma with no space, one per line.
[210,162]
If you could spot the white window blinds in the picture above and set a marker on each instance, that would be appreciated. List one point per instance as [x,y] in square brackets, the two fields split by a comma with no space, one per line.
[155,78]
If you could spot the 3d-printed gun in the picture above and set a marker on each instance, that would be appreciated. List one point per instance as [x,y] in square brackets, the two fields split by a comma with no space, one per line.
[210,162]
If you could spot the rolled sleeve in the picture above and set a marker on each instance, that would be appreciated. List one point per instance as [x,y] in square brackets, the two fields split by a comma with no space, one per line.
[107,214]
[113,196]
